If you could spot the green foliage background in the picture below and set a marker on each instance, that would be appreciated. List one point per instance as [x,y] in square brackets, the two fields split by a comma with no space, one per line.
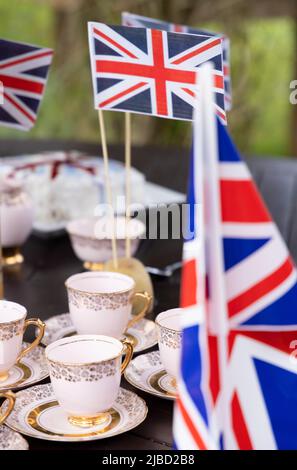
[262,58]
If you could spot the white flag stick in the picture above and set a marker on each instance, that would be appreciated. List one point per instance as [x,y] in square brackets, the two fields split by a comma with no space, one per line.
[218,318]
[108,186]
[128,179]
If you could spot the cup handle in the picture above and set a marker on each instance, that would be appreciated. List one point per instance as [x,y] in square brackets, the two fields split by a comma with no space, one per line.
[147,298]
[41,326]
[129,354]
[11,401]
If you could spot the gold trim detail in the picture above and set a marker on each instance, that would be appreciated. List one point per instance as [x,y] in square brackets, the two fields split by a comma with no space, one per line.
[154,382]
[34,415]
[27,373]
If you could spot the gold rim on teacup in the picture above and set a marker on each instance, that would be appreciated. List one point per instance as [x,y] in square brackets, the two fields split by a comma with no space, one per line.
[10,396]
[97,294]
[158,319]
[79,339]
[99,274]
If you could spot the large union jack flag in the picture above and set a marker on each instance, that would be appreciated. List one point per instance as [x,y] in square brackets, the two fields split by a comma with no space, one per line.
[23,74]
[151,71]
[129,19]
[238,378]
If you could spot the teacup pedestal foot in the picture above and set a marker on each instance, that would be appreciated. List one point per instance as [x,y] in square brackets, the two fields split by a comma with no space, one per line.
[12,256]
[90,266]
[89,421]
[4,376]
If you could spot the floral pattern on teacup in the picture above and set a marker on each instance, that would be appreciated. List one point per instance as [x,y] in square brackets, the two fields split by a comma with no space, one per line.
[84,373]
[11,329]
[170,338]
[97,302]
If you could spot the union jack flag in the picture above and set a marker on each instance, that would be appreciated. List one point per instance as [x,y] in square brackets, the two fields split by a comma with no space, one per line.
[151,71]
[238,378]
[129,19]
[23,74]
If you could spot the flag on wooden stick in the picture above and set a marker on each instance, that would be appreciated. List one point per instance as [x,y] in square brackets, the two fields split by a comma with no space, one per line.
[151,71]
[129,19]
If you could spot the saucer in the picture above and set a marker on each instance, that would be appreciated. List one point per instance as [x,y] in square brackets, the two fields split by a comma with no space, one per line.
[143,334]
[11,440]
[37,414]
[147,373]
[30,370]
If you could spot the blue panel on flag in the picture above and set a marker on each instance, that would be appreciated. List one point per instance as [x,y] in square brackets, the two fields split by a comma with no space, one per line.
[237,249]
[191,368]
[283,311]
[136,36]
[279,388]
[32,103]
[9,49]
[140,103]
[103,83]
[102,49]
[38,72]
[227,151]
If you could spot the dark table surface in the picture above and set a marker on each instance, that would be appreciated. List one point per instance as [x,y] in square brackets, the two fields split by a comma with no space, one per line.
[39,286]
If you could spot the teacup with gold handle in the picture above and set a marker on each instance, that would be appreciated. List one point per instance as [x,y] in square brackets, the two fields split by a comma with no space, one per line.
[85,372]
[101,303]
[13,325]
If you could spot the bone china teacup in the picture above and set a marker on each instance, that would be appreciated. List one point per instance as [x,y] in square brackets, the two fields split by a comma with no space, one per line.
[13,325]
[85,373]
[169,339]
[11,401]
[101,303]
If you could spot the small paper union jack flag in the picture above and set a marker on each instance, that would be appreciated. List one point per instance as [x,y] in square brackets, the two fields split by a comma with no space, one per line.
[238,381]
[129,19]
[23,74]
[151,71]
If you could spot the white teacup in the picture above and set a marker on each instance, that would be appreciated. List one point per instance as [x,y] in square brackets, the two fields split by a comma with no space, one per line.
[91,238]
[11,401]
[85,372]
[101,302]
[13,325]
[169,339]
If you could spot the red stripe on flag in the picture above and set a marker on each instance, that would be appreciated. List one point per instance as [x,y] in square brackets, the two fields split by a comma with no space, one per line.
[282,340]
[214,376]
[21,84]
[261,288]
[121,94]
[22,110]
[160,82]
[26,59]
[204,48]
[188,284]
[239,426]
[191,427]
[241,202]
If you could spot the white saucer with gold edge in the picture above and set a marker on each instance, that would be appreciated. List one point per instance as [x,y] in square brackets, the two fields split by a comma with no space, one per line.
[146,372]
[9,440]
[38,414]
[143,335]
[30,370]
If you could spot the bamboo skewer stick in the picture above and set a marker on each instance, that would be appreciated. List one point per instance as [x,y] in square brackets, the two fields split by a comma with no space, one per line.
[108,186]
[1,257]
[128,179]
